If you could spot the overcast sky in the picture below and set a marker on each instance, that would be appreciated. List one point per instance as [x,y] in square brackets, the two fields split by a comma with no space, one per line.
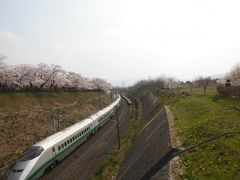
[123,40]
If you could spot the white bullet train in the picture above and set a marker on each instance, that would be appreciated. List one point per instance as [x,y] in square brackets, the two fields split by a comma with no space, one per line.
[46,153]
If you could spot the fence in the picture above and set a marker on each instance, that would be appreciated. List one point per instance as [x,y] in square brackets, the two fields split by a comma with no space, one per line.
[232,91]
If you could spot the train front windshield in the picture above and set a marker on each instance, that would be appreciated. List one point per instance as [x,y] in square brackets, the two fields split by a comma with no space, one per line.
[31,153]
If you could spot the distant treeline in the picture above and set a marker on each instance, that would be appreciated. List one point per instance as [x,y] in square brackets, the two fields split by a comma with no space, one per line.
[10,89]
[158,83]
[42,76]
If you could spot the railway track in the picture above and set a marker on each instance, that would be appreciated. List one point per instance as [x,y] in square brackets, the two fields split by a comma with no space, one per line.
[85,160]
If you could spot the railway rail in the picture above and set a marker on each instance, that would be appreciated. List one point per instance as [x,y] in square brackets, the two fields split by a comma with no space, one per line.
[84,161]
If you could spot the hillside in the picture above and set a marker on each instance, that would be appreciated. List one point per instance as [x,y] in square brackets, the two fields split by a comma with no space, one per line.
[198,118]
[27,117]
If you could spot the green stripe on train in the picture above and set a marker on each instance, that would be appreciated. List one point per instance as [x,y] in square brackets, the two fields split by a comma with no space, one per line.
[48,163]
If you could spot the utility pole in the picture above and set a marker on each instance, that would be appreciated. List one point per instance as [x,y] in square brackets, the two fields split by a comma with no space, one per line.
[54,124]
[99,96]
[118,134]
[58,115]
[53,116]
[100,100]
[111,94]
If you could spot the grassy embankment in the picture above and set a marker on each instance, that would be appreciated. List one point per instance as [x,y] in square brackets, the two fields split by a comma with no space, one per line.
[27,117]
[199,118]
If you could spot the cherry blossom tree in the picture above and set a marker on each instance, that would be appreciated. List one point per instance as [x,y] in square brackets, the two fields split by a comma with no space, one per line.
[100,84]
[24,74]
[234,73]
[45,76]
[48,74]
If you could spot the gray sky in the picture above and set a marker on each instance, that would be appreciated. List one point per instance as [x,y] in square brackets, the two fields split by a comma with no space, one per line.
[123,40]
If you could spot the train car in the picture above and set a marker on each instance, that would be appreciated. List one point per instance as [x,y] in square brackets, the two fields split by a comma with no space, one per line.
[104,115]
[46,153]
[128,101]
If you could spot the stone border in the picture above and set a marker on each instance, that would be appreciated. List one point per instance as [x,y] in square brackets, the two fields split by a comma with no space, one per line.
[175,170]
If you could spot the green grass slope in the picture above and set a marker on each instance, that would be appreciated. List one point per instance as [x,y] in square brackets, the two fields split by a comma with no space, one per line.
[199,118]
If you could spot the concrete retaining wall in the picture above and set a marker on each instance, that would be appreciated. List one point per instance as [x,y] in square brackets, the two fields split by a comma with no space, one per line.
[149,151]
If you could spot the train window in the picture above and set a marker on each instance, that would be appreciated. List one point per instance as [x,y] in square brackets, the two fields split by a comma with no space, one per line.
[62,146]
[71,140]
[68,141]
[53,149]
[17,170]
[75,136]
[65,143]
[31,153]
[59,148]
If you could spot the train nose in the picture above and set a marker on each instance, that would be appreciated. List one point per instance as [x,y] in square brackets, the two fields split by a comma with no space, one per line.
[19,171]
[16,174]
